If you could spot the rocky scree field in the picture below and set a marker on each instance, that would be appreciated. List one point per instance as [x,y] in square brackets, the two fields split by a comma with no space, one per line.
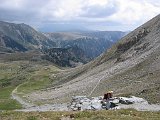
[130,67]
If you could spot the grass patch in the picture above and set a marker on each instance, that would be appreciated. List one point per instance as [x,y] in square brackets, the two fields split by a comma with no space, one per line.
[6,103]
[39,79]
[30,76]
[5,82]
[5,92]
[129,114]
[33,85]
[9,104]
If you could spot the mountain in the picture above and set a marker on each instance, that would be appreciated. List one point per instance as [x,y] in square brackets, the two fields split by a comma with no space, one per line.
[112,36]
[92,43]
[129,67]
[62,36]
[65,57]
[21,37]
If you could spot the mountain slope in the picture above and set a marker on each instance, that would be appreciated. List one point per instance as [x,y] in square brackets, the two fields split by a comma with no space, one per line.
[130,67]
[112,36]
[61,36]
[65,57]
[22,37]
[92,47]
[7,44]
[92,43]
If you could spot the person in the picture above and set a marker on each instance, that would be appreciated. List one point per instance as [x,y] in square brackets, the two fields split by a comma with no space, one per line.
[106,103]
[108,95]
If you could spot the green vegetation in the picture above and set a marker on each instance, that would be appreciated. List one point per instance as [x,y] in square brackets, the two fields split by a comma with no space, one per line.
[85,115]
[6,103]
[8,72]
[38,80]
[28,76]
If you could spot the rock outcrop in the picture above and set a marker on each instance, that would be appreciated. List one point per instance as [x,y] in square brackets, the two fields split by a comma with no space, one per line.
[98,103]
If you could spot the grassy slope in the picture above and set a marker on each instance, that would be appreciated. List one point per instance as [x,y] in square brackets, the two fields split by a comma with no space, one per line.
[8,73]
[85,115]
[6,103]
[31,75]
[39,79]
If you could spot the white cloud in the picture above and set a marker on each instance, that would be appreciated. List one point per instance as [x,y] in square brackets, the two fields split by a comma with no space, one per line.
[12,4]
[68,9]
[134,11]
[97,2]
[122,12]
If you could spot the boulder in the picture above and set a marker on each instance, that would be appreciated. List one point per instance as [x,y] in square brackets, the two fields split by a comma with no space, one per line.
[115,101]
[124,100]
[86,106]
[96,104]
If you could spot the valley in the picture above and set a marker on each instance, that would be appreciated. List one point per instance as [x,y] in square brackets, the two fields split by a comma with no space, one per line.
[41,73]
[127,68]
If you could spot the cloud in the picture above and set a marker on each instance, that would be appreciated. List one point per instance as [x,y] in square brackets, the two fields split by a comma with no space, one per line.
[88,12]
[99,9]
[12,4]
[134,12]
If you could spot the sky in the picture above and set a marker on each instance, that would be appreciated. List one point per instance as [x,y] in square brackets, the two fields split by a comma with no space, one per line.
[70,15]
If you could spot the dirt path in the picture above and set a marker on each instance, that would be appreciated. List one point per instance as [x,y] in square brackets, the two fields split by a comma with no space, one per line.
[24,103]
[47,107]
[32,107]
[142,105]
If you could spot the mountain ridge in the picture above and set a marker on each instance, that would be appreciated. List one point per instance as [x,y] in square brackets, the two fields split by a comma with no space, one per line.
[24,35]
[130,67]
[92,43]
